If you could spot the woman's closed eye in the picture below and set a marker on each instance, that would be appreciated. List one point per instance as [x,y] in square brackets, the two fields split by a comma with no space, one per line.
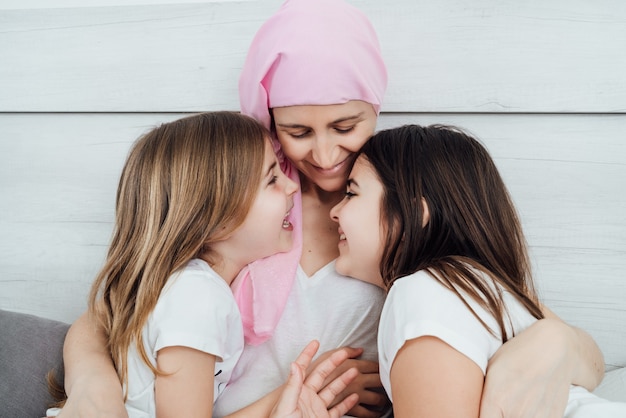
[299,134]
[348,195]
[344,130]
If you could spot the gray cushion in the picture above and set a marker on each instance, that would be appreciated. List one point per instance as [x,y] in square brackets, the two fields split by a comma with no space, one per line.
[30,347]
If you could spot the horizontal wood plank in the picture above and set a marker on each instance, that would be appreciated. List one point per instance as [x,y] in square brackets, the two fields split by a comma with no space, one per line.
[513,57]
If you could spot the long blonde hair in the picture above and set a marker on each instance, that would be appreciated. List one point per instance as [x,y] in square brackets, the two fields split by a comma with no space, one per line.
[185,185]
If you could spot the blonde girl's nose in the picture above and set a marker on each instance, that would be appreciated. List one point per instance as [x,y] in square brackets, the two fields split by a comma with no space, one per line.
[291,187]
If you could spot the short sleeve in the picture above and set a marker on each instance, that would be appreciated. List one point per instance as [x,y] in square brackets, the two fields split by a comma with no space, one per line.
[418,305]
[196,309]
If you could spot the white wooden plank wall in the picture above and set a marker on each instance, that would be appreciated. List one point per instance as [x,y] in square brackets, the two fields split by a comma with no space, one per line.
[542,83]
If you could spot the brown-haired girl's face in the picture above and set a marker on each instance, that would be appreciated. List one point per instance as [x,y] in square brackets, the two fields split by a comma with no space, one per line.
[321,140]
[361,236]
[265,230]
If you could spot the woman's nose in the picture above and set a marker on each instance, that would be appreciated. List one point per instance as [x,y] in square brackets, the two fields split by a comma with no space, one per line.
[323,151]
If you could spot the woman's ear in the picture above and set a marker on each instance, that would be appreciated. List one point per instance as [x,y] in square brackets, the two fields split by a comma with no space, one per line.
[425,213]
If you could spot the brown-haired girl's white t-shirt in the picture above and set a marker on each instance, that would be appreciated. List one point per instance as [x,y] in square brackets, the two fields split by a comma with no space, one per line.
[419,305]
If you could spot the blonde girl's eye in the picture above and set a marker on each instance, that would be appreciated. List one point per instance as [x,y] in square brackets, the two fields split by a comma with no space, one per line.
[273,180]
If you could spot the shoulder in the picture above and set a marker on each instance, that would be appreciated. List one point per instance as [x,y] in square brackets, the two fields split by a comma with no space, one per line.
[422,292]
[195,280]
[196,292]
[419,305]
[195,309]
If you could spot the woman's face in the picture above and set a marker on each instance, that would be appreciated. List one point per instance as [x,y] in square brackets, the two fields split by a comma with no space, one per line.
[360,232]
[321,141]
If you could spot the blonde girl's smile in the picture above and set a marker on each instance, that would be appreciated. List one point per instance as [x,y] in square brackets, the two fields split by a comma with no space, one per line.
[287,225]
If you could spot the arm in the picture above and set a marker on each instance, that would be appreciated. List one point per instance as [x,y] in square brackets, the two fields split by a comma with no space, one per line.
[91,382]
[530,375]
[430,378]
[182,390]
[588,361]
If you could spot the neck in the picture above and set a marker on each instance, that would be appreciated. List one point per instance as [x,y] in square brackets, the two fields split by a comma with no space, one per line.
[225,269]
[323,196]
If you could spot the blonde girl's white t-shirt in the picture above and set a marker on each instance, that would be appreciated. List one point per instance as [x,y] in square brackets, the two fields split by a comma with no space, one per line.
[418,305]
[331,308]
[196,309]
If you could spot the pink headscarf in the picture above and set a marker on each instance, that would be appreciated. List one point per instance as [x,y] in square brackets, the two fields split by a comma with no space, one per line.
[310,52]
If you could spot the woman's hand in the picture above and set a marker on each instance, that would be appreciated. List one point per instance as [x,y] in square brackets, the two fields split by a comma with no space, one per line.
[373,401]
[530,375]
[311,397]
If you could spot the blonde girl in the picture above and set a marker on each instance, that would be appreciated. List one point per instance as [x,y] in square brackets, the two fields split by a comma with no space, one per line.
[428,218]
[198,199]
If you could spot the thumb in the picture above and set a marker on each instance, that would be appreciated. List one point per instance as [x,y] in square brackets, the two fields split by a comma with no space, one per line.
[353,352]
[288,400]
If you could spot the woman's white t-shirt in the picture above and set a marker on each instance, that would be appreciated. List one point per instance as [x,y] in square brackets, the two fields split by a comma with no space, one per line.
[328,307]
[419,305]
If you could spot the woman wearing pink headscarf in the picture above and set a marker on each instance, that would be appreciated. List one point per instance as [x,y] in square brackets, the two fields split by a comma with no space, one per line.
[325,55]
[314,75]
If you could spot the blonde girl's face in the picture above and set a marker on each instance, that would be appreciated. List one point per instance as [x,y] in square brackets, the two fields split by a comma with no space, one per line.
[321,141]
[360,232]
[265,230]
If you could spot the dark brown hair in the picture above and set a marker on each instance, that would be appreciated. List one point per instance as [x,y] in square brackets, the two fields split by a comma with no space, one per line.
[472,223]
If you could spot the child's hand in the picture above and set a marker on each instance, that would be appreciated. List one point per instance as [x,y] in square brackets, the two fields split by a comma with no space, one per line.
[311,397]
[373,402]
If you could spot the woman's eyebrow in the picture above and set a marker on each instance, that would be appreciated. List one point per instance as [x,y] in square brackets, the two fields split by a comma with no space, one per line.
[291,125]
[349,118]
[358,116]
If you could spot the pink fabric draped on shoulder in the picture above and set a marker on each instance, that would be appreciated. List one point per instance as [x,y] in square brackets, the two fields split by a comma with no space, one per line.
[310,52]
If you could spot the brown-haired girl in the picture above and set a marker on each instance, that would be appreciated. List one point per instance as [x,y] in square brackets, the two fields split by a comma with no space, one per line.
[428,218]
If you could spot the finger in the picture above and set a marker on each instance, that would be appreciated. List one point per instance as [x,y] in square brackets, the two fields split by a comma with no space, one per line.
[370,381]
[288,400]
[365,366]
[307,354]
[315,379]
[334,388]
[344,406]
[361,411]
[353,352]
[373,398]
